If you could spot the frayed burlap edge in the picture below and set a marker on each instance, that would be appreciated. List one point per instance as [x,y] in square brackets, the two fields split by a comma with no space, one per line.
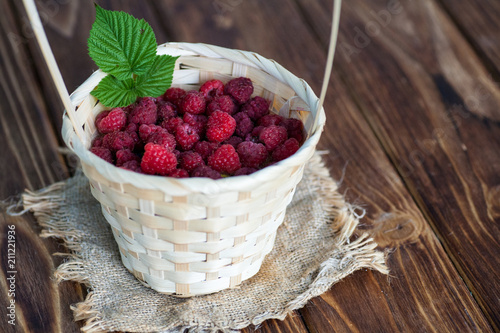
[361,252]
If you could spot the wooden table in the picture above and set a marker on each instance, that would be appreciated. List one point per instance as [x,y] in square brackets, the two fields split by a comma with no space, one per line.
[413,130]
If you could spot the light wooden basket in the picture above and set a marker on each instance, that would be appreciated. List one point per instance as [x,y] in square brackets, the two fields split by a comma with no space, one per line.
[196,236]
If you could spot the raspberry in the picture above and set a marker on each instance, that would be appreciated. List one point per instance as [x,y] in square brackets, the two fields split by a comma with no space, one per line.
[240,89]
[223,103]
[97,142]
[287,149]
[178,173]
[233,141]
[118,140]
[252,154]
[132,165]
[294,128]
[164,139]
[111,121]
[145,131]
[103,153]
[254,135]
[273,136]
[174,95]
[171,124]
[190,160]
[144,112]
[166,110]
[125,155]
[256,108]
[157,160]
[186,136]
[176,153]
[244,171]
[131,127]
[205,148]
[244,125]
[224,160]
[205,171]
[197,121]
[220,126]
[270,119]
[211,89]
[193,102]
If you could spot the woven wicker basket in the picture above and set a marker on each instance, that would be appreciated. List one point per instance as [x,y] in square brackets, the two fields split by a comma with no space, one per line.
[197,236]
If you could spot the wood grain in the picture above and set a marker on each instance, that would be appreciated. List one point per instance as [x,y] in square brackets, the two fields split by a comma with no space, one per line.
[446,142]
[29,160]
[372,134]
[369,178]
[478,22]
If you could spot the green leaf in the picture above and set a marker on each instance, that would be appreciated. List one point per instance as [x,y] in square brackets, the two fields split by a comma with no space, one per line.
[158,78]
[120,44]
[115,93]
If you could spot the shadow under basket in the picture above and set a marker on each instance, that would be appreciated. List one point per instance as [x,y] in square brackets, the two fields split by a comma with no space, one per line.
[196,236]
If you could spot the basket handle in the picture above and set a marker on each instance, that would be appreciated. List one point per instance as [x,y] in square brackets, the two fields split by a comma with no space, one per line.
[329,61]
[52,65]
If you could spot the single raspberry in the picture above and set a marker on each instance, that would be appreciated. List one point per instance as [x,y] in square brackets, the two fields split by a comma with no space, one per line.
[164,139]
[271,119]
[157,160]
[256,108]
[97,142]
[145,131]
[190,160]
[225,160]
[252,154]
[171,124]
[287,149]
[273,136]
[144,112]
[244,125]
[196,121]
[125,155]
[223,103]
[111,121]
[220,126]
[174,95]
[205,148]
[132,165]
[118,140]
[212,88]
[240,89]
[205,171]
[193,102]
[186,136]
[103,153]
[131,127]
[295,129]
[178,173]
[233,141]
[244,171]
[166,110]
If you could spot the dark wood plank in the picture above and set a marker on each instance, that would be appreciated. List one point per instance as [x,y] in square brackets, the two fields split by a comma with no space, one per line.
[29,160]
[436,113]
[424,291]
[478,22]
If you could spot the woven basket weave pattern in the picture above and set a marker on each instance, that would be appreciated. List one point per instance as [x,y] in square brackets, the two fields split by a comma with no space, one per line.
[188,236]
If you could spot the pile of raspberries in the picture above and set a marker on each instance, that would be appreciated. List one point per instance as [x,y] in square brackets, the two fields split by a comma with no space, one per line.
[218,131]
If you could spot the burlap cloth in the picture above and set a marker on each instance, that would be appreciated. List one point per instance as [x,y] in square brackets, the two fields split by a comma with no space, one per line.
[313,251]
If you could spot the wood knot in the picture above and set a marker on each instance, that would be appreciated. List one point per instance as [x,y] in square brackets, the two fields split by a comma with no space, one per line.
[391,230]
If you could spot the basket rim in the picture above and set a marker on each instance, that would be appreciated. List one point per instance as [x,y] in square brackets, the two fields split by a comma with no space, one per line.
[198,184]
